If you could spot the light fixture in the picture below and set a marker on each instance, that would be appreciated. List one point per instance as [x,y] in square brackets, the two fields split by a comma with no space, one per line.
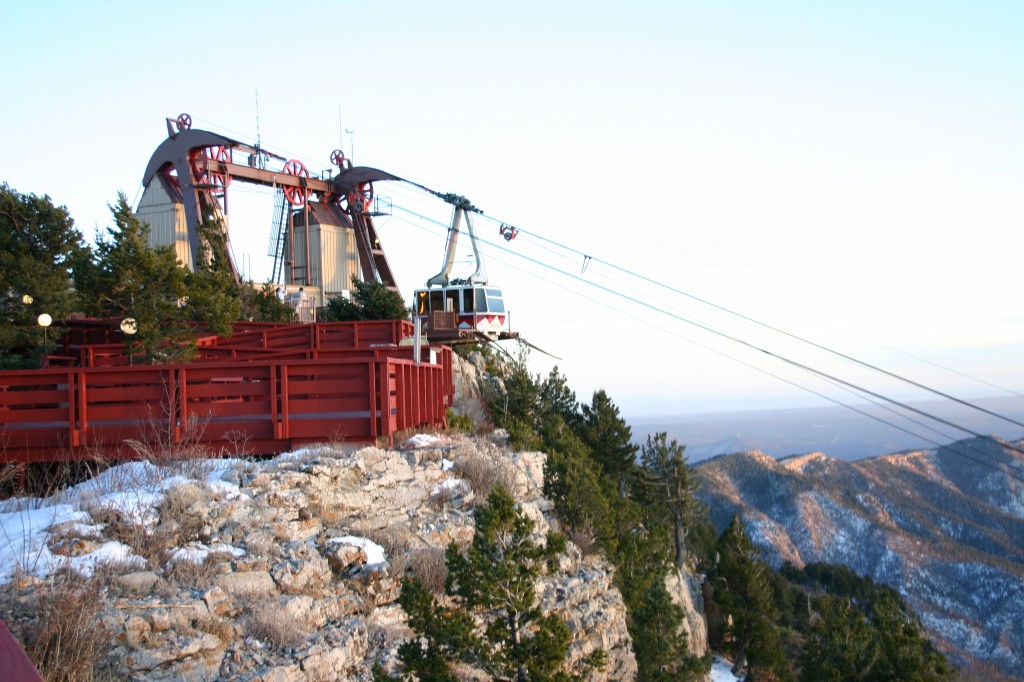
[44,321]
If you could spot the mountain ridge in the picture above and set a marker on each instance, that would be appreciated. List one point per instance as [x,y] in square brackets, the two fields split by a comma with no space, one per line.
[842,432]
[945,531]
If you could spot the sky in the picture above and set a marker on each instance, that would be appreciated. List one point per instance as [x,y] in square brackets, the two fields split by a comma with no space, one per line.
[849,173]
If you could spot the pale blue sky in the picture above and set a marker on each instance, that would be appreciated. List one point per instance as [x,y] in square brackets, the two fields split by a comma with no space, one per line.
[851,172]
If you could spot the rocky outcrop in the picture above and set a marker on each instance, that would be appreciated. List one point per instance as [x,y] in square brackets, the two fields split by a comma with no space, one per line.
[475,387]
[290,569]
[685,590]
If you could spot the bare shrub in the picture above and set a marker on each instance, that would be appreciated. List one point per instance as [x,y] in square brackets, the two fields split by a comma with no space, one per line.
[483,473]
[60,628]
[262,544]
[394,539]
[583,537]
[178,518]
[151,546]
[220,628]
[195,575]
[425,565]
[269,623]
[442,499]
[430,455]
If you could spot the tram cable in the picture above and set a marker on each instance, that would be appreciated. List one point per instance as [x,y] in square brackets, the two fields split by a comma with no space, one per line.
[450,198]
[777,330]
[820,373]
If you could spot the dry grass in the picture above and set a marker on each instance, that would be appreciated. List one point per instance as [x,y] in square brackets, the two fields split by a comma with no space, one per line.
[59,627]
[195,575]
[151,546]
[269,623]
[425,565]
[443,498]
[583,537]
[483,472]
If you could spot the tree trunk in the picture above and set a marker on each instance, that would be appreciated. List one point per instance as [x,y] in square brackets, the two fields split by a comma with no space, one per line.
[680,538]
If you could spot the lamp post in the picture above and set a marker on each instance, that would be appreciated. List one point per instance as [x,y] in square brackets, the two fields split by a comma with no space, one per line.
[128,327]
[45,321]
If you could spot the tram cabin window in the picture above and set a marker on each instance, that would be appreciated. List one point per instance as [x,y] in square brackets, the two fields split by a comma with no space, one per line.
[495,304]
[452,301]
[437,300]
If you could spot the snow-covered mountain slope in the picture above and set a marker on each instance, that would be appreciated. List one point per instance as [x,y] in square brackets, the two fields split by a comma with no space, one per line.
[944,527]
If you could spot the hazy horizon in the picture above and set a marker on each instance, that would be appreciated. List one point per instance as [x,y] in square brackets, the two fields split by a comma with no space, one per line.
[835,430]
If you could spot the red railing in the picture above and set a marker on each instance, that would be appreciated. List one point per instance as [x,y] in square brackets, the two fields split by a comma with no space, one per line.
[258,407]
[267,389]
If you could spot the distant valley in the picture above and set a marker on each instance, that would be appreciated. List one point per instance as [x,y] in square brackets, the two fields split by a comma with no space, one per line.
[836,430]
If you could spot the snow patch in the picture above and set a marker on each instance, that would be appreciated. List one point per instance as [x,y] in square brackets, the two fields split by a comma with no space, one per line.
[374,552]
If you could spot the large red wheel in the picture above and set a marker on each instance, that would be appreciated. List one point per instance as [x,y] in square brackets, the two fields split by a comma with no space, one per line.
[200,159]
[296,196]
[197,161]
[366,192]
[362,198]
[222,154]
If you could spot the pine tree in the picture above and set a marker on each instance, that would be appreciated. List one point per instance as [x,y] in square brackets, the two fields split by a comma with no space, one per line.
[906,652]
[263,304]
[38,248]
[671,487]
[214,296]
[128,279]
[557,400]
[495,624]
[610,440]
[841,645]
[660,641]
[370,301]
[742,589]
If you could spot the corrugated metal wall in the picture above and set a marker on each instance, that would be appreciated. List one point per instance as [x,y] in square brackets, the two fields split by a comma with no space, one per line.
[338,258]
[166,219]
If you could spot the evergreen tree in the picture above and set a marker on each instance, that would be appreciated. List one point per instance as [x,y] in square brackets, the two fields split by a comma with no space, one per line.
[214,296]
[263,305]
[610,440]
[557,400]
[742,589]
[496,624]
[672,487]
[128,279]
[841,645]
[659,640]
[39,246]
[906,652]
[516,410]
[370,301]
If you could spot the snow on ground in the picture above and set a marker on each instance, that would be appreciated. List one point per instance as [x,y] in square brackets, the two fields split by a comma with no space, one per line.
[28,526]
[422,440]
[135,489]
[374,552]
[721,671]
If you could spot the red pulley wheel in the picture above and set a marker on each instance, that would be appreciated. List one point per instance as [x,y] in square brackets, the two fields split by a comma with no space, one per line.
[296,196]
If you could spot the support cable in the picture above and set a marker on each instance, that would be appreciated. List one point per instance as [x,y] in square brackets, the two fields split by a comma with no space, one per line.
[821,374]
[777,330]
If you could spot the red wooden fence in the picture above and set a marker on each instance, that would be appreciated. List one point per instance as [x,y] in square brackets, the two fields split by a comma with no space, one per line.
[266,390]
